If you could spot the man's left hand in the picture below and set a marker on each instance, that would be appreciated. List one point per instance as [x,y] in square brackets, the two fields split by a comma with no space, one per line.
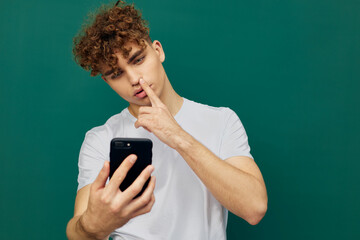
[157,118]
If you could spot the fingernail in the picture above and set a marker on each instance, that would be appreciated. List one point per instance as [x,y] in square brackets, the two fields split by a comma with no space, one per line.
[151,169]
[132,158]
[141,80]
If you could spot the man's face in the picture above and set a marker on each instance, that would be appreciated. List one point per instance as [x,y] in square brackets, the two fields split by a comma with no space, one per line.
[141,63]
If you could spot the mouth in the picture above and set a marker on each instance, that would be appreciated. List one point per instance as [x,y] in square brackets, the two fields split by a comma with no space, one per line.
[140,93]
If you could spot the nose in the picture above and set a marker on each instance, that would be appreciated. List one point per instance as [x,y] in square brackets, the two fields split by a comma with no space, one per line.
[134,77]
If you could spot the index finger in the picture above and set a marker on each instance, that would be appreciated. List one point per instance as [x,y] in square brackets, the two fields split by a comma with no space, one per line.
[120,173]
[155,100]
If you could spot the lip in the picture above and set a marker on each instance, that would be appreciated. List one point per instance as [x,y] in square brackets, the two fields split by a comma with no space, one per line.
[140,93]
[137,91]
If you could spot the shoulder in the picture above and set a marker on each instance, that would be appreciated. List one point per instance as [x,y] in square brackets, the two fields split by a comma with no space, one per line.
[113,124]
[220,113]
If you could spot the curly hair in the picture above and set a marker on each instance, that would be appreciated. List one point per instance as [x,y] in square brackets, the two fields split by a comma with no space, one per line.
[106,33]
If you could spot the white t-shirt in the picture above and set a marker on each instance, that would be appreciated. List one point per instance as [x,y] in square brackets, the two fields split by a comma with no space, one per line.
[184,208]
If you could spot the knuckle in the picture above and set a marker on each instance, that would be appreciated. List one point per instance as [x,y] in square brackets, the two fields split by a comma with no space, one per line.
[120,178]
[114,208]
[148,208]
[104,199]
[152,200]
[145,175]
[135,190]
[125,166]
[144,123]
[140,120]
[124,213]
[119,175]
[145,200]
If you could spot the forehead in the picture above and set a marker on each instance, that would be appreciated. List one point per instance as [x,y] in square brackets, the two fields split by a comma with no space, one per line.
[132,47]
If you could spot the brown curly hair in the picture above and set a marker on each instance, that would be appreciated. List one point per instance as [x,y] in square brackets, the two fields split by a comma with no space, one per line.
[106,33]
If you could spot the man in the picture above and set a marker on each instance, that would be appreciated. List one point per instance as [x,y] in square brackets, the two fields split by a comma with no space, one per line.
[202,161]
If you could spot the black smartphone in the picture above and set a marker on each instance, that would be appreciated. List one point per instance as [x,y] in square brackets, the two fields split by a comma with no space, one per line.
[120,148]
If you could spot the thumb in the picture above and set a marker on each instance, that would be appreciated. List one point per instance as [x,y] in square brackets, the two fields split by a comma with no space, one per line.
[101,179]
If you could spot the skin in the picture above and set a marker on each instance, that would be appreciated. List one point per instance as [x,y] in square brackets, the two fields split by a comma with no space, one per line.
[100,208]
[155,111]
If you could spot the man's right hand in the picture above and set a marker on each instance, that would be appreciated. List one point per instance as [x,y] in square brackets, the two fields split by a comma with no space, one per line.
[109,208]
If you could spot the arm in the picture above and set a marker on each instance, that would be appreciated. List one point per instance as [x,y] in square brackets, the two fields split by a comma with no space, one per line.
[74,228]
[101,208]
[236,182]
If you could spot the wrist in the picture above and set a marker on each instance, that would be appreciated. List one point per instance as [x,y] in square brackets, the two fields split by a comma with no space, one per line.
[183,141]
[86,228]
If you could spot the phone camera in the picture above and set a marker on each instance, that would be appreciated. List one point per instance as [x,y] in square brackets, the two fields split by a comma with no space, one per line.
[119,144]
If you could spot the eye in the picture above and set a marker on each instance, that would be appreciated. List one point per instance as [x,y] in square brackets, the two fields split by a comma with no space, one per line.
[114,76]
[139,60]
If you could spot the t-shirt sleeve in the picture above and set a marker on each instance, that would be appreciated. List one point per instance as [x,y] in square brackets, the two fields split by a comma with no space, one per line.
[234,140]
[93,154]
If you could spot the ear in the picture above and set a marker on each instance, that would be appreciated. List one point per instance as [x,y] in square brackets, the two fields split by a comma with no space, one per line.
[156,45]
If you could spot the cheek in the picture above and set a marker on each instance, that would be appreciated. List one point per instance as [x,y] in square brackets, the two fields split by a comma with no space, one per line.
[152,66]
[148,67]
[155,71]
[120,88]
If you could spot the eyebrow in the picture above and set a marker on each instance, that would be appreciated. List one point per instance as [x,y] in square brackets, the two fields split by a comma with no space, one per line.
[135,55]
[108,72]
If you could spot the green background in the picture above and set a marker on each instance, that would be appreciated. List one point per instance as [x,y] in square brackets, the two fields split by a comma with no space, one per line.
[289,68]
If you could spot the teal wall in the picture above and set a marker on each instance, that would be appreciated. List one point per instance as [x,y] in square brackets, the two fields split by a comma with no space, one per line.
[290,69]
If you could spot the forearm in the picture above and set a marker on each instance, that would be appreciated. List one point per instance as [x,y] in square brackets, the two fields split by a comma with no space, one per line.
[76,231]
[238,191]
